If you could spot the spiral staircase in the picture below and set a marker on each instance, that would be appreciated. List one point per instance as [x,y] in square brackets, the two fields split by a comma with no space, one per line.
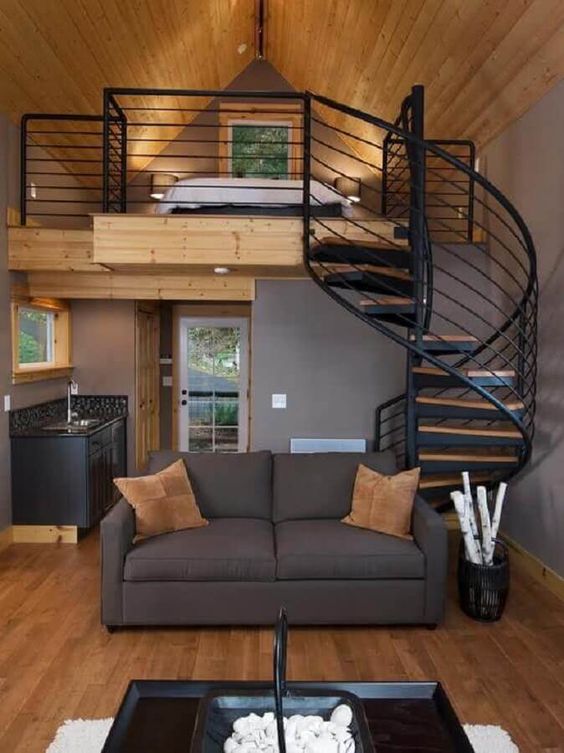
[437,259]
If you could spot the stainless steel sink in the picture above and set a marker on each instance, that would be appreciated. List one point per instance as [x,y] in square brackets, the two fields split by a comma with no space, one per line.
[77,425]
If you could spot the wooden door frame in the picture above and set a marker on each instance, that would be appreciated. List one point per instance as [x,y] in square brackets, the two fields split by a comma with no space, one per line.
[150,309]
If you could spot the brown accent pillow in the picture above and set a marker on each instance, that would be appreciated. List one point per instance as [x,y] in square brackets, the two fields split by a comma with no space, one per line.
[383,503]
[163,502]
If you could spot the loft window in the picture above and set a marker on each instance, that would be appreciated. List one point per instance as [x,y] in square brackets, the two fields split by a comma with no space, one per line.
[256,144]
[260,150]
[40,340]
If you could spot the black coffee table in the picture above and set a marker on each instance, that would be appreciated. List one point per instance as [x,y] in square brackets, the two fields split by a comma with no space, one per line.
[158,716]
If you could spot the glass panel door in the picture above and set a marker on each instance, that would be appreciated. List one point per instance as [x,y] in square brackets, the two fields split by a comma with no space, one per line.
[213,411]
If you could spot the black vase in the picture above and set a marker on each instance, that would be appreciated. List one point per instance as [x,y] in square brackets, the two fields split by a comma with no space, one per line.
[483,589]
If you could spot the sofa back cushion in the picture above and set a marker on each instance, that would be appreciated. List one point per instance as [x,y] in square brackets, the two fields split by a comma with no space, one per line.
[237,485]
[320,485]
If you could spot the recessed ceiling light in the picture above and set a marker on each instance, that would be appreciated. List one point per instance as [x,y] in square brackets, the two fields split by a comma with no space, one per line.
[221,270]
[242,48]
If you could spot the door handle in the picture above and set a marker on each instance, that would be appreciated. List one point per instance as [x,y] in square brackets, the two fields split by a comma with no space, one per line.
[184,402]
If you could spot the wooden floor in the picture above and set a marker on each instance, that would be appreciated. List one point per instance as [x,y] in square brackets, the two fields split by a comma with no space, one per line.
[57,662]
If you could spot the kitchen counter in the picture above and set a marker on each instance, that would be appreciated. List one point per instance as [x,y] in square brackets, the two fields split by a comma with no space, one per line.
[48,430]
[36,420]
[62,477]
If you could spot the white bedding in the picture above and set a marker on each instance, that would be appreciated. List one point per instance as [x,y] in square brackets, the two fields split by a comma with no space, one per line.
[193,193]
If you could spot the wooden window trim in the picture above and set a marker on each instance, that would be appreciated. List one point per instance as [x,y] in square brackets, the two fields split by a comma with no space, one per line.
[61,366]
[275,114]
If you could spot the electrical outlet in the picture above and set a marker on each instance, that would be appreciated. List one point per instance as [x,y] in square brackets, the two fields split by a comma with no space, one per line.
[279,402]
[7,403]
[74,388]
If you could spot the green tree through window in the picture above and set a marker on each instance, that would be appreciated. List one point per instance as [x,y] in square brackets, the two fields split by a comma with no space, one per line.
[259,151]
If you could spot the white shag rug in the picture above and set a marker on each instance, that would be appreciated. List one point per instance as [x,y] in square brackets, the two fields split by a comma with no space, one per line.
[88,736]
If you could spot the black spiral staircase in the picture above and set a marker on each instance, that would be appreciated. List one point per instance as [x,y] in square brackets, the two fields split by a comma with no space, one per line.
[437,259]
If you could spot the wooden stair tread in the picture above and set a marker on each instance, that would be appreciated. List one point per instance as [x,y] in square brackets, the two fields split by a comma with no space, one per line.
[400,274]
[334,240]
[446,338]
[435,481]
[467,457]
[471,432]
[470,373]
[388,300]
[455,402]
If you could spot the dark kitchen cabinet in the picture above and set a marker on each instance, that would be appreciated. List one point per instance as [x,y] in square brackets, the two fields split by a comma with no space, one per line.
[67,480]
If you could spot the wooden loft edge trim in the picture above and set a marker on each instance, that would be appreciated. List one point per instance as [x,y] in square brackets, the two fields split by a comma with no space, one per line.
[141,287]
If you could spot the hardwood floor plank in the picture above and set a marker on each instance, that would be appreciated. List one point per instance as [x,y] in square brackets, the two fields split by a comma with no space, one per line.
[57,662]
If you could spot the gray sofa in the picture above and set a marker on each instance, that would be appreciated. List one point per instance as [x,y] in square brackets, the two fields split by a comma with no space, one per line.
[275,538]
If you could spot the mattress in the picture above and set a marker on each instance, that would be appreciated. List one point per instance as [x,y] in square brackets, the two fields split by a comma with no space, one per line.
[194,193]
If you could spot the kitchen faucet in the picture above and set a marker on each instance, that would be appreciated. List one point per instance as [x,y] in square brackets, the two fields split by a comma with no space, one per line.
[70,386]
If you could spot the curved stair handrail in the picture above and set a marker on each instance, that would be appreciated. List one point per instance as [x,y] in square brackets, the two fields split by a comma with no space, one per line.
[453,281]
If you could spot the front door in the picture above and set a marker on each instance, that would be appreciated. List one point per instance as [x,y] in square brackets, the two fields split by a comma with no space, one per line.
[213,385]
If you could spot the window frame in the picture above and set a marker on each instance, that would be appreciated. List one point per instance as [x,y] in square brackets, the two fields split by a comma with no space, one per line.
[61,365]
[277,116]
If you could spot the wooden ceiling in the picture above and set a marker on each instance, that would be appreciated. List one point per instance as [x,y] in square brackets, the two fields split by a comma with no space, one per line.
[58,55]
[483,62]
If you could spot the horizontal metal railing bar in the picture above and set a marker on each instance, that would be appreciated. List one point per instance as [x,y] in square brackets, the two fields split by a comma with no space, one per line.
[74,175]
[61,116]
[354,157]
[33,131]
[131,139]
[149,124]
[35,145]
[219,93]
[69,187]
[346,133]
[66,160]
[253,109]
[160,155]
[59,214]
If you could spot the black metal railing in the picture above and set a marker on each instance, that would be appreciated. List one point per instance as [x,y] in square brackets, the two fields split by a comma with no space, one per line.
[61,168]
[469,264]
[472,273]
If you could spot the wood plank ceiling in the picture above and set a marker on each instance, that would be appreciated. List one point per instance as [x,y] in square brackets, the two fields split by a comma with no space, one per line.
[483,62]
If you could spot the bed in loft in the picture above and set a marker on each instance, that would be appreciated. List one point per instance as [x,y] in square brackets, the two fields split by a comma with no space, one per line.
[244,196]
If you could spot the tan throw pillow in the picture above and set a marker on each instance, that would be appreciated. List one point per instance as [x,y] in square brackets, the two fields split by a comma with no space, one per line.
[383,503]
[163,502]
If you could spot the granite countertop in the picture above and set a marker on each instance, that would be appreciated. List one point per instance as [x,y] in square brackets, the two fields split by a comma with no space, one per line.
[36,420]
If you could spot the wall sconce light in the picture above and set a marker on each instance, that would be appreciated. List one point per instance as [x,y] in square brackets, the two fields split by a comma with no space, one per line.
[349,187]
[160,183]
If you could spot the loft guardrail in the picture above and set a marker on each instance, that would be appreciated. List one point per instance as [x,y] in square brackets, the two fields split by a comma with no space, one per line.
[61,167]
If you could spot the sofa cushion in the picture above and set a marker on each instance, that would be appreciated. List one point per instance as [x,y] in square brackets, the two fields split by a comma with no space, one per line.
[320,485]
[226,485]
[328,549]
[228,549]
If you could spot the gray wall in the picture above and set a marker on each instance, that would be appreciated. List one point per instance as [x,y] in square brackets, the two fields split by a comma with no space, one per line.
[525,161]
[103,343]
[334,369]
[23,394]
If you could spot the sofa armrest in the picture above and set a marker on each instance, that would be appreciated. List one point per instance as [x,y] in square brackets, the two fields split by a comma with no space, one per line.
[430,534]
[117,531]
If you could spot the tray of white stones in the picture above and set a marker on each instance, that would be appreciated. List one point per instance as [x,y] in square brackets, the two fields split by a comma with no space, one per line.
[308,721]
